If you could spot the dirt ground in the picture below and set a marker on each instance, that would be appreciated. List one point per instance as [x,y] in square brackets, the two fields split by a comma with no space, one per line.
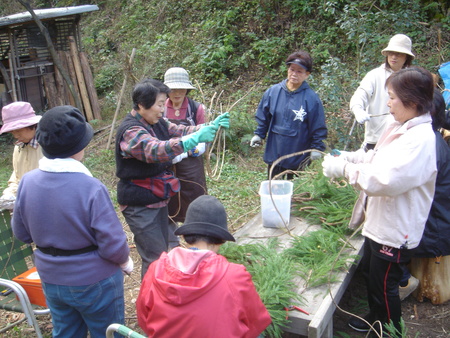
[422,319]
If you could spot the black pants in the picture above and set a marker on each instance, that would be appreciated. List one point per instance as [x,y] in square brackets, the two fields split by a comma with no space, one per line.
[382,268]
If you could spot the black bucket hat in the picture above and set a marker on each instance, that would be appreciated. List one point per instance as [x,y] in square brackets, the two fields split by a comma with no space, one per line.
[63,132]
[206,216]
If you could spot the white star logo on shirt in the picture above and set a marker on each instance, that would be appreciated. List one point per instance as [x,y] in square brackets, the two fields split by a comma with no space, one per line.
[299,114]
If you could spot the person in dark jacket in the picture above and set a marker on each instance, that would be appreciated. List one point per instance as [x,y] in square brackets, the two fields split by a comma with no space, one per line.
[436,237]
[435,240]
[291,115]
[146,145]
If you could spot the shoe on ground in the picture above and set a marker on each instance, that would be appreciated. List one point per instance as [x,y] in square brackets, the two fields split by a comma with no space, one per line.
[405,291]
[358,324]
[361,326]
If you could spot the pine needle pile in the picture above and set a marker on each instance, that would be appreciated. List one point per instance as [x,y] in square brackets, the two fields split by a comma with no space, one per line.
[322,201]
[272,273]
[328,203]
[319,256]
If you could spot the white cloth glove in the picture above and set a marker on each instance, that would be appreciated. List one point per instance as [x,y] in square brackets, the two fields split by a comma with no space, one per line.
[198,150]
[333,167]
[354,156]
[315,155]
[128,266]
[8,197]
[361,115]
[255,141]
[179,158]
[7,201]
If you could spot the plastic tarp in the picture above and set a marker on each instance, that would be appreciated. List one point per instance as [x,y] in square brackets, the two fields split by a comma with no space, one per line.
[444,71]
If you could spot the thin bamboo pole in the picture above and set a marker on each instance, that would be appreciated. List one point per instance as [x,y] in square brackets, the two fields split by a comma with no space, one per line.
[120,98]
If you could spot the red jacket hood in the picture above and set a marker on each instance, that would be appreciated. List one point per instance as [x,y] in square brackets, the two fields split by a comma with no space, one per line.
[184,275]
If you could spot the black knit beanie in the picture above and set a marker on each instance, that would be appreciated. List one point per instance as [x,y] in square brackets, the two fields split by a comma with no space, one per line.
[63,132]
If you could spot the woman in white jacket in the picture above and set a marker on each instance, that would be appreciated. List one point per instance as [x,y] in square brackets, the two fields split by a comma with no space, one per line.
[368,103]
[398,177]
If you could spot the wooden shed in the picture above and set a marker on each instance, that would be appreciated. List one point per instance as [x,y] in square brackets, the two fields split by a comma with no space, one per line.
[27,69]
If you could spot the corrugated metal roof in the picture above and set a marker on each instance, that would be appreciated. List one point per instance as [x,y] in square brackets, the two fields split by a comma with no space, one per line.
[47,13]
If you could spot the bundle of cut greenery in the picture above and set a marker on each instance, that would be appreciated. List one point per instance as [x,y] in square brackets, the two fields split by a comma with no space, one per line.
[319,255]
[314,257]
[276,292]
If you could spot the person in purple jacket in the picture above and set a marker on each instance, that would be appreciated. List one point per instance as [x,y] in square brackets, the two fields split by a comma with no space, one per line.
[291,115]
[81,246]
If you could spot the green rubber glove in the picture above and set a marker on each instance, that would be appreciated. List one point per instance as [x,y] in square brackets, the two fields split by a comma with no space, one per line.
[222,120]
[204,134]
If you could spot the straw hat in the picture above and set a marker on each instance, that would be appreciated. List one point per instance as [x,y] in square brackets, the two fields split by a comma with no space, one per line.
[206,216]
[399,43]
[177,78]
[18,115]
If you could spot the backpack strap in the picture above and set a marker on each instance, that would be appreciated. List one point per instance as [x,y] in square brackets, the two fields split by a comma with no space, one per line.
[191,115]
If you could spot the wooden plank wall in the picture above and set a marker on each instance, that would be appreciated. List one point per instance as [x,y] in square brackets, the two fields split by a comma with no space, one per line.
[77,66]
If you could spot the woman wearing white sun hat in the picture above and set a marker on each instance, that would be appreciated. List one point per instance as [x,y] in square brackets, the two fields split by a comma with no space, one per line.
[368,103]
[189,168]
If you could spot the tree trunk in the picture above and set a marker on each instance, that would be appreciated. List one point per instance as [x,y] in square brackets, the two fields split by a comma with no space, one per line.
[434,278]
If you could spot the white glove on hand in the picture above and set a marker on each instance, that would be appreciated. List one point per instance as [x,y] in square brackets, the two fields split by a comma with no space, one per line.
[346,155]
[7,201]
[354,156]
[128,266]
[315,155]
[333,167]
[255,141]
[198,150]
[361,115]
[8,198]
[179,158]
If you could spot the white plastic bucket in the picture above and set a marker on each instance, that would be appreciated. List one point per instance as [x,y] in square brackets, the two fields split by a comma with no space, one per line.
[281,194]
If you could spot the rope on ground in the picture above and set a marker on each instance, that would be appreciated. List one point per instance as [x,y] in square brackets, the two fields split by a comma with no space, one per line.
[371,325]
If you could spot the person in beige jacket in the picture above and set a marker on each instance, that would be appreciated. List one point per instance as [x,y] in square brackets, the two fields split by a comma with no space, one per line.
[368,103]
[20,119]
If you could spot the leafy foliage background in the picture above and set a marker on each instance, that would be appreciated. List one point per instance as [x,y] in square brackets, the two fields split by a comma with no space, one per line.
[239,47]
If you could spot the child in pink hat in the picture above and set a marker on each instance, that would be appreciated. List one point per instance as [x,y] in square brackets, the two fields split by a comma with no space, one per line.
[21,121]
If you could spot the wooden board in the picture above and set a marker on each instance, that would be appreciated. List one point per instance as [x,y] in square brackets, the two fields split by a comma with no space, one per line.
[73,76]
[61,85]
[53,99]
[89,79]
[80,79]
[319,301]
